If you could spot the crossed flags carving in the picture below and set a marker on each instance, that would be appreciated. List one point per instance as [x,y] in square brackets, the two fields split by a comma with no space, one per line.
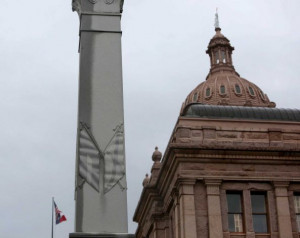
[90,154]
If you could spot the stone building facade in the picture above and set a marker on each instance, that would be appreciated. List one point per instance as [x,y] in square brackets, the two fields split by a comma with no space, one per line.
[232,165]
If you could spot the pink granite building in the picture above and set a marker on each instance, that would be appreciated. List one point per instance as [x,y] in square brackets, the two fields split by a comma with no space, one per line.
[232,165]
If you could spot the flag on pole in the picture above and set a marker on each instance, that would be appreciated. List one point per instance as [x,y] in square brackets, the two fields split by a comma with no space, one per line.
[89,157]
[114,160]
[59,216]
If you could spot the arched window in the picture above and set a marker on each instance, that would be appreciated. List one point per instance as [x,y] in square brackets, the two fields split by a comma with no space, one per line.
[207,93]
[223,58]
[237,89]
[222,89]
[262,95]
[217,60]
[251,91]
[195,97]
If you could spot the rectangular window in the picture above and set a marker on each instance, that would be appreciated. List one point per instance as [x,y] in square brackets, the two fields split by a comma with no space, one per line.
[235,211]
[297,209]
[259,212]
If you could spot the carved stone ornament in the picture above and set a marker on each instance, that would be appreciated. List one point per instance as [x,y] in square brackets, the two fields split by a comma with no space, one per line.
[106,1]
[76,6]
[109,1]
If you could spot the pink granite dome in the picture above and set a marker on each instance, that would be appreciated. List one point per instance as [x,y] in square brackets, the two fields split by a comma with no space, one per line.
[227,88]
[223,85]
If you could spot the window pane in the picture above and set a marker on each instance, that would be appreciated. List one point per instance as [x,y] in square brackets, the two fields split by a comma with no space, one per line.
[237,88]
[262,95]
[260,223]
[231,223]
[235,223]
[195,97]
[258,203]
[297,203]
[251,91]
[298,222]
[223,56]
[217,57]
[222,89]
[238,223]
[207,92]
[234,203]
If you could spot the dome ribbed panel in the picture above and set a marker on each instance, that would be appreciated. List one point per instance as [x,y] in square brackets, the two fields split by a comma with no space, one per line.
[230,96]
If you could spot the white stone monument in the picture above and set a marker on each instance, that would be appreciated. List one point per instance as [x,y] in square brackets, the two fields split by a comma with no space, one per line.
[100,194]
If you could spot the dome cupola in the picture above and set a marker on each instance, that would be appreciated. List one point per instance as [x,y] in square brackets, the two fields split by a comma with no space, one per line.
[220,51]
[223,85]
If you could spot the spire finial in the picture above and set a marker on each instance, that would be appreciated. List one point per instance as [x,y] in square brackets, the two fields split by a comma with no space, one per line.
[217,26]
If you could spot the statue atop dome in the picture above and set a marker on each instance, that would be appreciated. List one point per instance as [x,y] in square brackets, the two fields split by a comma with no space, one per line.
[217,19]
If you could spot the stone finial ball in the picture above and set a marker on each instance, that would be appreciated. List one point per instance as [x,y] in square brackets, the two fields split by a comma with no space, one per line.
[156,156]
[146,180]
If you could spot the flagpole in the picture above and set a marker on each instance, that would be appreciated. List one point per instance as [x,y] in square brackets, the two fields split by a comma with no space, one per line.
[52,217]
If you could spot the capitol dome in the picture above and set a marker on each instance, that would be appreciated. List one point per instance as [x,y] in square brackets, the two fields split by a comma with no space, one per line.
[223,85]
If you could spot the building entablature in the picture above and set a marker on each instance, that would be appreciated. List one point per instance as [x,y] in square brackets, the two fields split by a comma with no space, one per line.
[204,131]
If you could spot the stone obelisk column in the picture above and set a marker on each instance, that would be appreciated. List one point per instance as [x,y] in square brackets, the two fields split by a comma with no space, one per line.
[100,110]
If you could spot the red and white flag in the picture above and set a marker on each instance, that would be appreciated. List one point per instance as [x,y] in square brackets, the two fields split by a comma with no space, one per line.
[59,216]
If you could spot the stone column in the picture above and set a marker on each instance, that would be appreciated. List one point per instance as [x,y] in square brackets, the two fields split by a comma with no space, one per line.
[167,227]
[283,210]
[214,208]
[187,211]
[176,219]
[248,214]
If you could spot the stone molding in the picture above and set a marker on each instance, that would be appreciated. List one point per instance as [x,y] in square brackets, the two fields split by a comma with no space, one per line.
[76,4]
[281,188]
[213,190]
[109,1]
[213,186]
[283,184]
[185,186]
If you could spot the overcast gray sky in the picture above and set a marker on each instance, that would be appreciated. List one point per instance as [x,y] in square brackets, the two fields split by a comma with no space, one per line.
[164,43]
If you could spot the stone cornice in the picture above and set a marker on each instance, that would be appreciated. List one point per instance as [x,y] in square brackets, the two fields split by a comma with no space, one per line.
[76,4]
[149,194]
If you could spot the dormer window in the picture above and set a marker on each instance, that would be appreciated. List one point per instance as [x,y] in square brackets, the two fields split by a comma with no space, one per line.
[222,89]
[237,89]
[251,91]
[207,92]
[195,97]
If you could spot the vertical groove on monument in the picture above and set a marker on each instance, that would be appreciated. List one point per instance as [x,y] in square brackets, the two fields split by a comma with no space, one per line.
[101,196]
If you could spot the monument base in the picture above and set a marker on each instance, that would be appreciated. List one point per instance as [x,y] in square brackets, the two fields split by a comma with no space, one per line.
[99,235]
